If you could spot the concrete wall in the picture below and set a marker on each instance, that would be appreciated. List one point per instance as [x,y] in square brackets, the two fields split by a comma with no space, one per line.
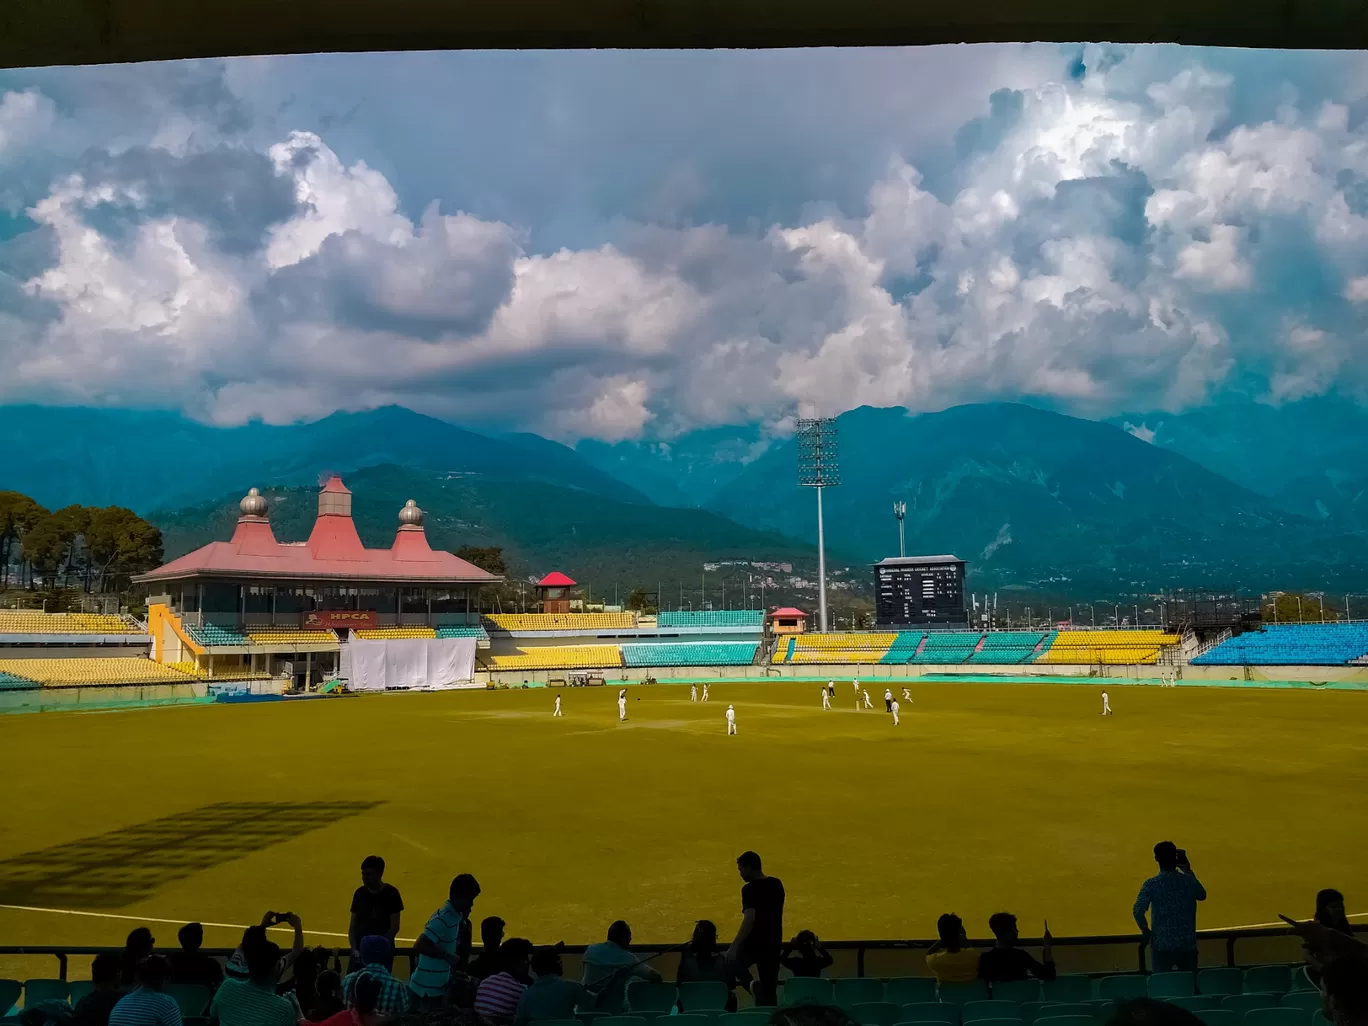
[127,696]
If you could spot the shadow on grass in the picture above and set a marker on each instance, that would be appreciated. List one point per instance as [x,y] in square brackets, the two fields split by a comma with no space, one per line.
[123,866]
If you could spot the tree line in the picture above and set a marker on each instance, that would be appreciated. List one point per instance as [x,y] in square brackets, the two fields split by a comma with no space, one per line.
[96,548]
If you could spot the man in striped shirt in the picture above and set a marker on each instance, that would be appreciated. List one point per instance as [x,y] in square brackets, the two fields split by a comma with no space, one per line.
[146,1005]
[497,998]
[437,947]
[376,957]
[1170,897]
[253,1001]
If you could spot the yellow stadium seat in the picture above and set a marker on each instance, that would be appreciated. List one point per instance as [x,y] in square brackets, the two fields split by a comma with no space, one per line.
[33,621]
[840,648]
[559,621]
[290,636]
[1122,647]
[558,657]
[379,633]
[88,671]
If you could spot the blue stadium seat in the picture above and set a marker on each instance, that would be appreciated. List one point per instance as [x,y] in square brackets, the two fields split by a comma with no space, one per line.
[712,618]
[9,994]
[1292,644]
[1122,988]
[212,634]
[960,993]
[745,1017]
[1246,1002]
[806,990]
[649,996]
[974,1011]
[1217,1017]
[1196,1002]
[875,1013]
[856,990]
[1008,647]
[687,653]
[904,648]
[703,996]
[1275,1017]
[929,1011]
[910,990]
[1225,980]
[1267,979]
[457,631]
[1067,989]
[1169,985]
[948,646]
[1020,991]
[1306,1000]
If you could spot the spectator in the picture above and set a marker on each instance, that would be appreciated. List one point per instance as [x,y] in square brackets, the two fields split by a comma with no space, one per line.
[701,962]
[950,959]
[609,966]
[1344,991]
[139,945]
[304,986]
[1171,898]
[190,965]
[377,960]
[253,1001]
[1330,911]
[491,936]
[327,996]
[497,998]
[375,907]
[551,996]
[94,1008]
[761,935]
[805,956]
[146,1004]
[366,1011]
[237,964]
[1005,961]
[437,947]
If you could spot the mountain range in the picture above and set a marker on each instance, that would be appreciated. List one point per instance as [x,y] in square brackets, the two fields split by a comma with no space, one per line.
[1237,496]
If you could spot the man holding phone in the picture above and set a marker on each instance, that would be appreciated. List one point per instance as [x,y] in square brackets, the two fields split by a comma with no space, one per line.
[1171,898]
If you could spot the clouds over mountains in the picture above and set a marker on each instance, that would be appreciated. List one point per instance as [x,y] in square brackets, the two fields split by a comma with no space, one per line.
[1106,231]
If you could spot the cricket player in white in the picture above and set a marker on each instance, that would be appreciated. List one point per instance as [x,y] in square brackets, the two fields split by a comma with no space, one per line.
[867,703]
[693,692]
[888,699]
[622,704]
[705,692]
[558,708]
[894,707]
[1106,705]
[826,699]
[907,695]
[731,720]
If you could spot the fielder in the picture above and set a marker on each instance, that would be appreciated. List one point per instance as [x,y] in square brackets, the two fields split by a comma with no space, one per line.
[731,721]
[893,707]
[826,699]
[867,703]
[907,695]
[705,692]
[622,704]
[558,708]
[693,692]
[1106,705]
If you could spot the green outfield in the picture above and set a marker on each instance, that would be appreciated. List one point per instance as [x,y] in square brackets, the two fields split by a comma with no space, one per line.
[986,797]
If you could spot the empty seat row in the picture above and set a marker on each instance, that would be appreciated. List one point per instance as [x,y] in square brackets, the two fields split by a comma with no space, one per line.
[1004,647]
[684,653]
[33,621]
[289,636]
[380,633]
[557,657]
[712,618]
[211,634]
[1293,644]
[92,670]
[558,621]
[459,631]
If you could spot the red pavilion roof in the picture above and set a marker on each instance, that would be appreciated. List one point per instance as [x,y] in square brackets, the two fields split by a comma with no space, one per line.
[788,612]
[555,579]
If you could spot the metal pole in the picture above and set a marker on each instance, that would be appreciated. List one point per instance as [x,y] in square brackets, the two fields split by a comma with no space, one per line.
[821,566]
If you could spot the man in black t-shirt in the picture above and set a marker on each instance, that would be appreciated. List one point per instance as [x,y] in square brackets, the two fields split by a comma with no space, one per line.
[761,936]
[190,964]
[1004,961]
[375,906]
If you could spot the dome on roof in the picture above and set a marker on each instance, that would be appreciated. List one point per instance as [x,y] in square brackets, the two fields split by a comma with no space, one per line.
[411,514]
[253,504]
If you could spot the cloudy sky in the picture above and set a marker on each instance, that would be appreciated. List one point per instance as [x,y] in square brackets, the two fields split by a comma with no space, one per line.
[616,245]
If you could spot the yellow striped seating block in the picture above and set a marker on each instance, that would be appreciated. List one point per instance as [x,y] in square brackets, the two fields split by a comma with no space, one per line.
[559,621]
[380,633]
[85,671]
[32,621]
[1115,647]
[558,657]
[290,636]
[840,648]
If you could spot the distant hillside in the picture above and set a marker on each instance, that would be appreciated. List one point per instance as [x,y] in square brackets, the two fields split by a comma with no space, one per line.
[597,540]
[153,460]
[683,471]
[1029,496]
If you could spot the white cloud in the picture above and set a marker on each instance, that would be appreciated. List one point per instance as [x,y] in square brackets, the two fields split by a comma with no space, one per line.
[1084,249]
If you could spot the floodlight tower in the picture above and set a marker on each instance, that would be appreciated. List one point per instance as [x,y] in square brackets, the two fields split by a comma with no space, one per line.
[900,511]
[819,467]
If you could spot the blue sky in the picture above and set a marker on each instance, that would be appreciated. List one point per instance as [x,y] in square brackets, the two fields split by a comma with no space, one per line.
[616,245]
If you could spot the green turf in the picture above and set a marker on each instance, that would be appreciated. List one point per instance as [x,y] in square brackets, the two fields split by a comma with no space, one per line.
[987,797]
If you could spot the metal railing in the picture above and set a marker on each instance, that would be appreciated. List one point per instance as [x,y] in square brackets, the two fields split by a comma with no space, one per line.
[1229,939]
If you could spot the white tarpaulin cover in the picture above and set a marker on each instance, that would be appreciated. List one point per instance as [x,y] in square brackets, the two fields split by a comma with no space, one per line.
[377,664]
